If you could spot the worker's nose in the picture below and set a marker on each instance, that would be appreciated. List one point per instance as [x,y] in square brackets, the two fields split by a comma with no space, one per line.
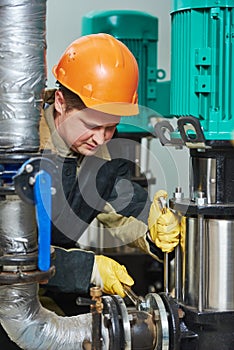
[99,136]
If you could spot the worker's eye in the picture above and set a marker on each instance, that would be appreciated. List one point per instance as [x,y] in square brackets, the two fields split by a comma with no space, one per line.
[90,126]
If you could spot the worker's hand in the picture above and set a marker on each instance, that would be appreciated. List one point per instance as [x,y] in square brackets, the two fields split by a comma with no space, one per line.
[164,226]
[110,275]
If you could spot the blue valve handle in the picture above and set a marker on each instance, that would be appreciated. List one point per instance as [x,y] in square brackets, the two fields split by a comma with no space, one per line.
[42,193]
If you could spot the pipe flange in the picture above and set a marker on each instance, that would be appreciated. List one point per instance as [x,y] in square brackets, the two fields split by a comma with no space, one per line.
[8,278]
[156,307]
[173,320]
[111,322]
[189,208]
[28,261]
[124,320]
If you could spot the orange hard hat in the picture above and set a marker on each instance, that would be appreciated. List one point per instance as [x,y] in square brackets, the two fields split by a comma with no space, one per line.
[103,72]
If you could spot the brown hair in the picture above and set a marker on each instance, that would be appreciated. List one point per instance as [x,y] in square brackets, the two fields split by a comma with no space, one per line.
[73,101]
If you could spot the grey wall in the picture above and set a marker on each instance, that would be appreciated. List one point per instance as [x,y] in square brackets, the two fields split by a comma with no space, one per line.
[64,25]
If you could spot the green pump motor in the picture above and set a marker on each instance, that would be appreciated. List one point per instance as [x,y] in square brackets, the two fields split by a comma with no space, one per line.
[202,64]
[201,316]
[139,32]
[202,99]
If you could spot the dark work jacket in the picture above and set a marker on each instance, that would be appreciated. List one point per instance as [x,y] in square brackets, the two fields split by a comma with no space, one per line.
[83,187]
[83,196]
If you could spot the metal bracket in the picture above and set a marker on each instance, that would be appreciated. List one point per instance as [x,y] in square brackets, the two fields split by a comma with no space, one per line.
[191,132]
[163,127]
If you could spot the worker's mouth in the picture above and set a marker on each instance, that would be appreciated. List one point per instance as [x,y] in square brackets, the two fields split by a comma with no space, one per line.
[91,147]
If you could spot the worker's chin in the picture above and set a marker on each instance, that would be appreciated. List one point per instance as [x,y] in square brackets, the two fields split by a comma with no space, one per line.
[86,152]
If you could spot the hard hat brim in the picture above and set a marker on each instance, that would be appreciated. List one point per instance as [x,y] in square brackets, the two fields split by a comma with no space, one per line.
[114,108]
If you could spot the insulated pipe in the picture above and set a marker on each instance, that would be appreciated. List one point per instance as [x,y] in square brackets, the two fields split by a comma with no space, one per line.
[22,81]
[31,326]
[17,227]
[22,72]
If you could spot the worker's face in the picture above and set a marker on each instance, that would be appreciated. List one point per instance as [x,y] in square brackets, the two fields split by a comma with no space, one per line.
[84,131]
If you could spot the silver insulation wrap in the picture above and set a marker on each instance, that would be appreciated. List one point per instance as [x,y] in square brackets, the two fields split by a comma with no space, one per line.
[17,226]
[22,82]
[22,72]
[34,328]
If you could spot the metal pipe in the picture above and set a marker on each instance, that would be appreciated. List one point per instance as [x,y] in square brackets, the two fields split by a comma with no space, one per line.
[22,72]
[31,326]
[22,82]
[178,196]
[96,311]
[178,279]
[201,263]
[166,273]
[17,226]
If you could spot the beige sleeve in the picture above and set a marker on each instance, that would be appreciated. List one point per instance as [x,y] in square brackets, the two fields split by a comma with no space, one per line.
[129,230]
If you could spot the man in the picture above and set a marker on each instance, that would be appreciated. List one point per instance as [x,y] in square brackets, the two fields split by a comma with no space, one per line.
[97,79]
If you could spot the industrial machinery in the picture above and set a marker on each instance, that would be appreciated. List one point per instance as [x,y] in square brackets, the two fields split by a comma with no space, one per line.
[139,32]
[201,97]
[200,313]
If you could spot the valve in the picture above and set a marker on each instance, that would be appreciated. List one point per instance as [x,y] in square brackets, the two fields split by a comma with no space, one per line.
[96,308]
[25,178]
[42,193]
[35,183]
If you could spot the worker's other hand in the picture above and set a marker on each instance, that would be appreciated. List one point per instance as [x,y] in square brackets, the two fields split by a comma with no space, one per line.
[110,275]
[164,226]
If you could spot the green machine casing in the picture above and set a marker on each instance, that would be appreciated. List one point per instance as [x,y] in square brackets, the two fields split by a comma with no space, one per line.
[139,32]
[202,64]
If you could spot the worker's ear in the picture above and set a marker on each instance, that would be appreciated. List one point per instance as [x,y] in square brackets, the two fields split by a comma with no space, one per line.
[59,102]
